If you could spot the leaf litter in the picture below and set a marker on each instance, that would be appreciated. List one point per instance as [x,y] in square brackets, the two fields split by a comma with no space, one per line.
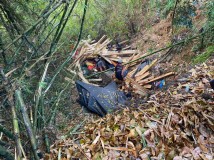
[175,124]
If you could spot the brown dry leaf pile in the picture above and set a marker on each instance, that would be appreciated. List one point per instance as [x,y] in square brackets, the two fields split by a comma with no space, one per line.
[174,124]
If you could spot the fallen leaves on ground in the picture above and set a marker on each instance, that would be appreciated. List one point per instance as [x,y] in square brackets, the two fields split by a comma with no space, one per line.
[177,124]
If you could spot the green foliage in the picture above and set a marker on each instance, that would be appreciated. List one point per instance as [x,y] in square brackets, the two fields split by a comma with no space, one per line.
[204,56]
[184,13]
[209,12]
[168,7]
[110,17]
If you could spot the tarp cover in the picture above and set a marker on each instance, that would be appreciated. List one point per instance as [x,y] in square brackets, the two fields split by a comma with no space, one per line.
[100,100]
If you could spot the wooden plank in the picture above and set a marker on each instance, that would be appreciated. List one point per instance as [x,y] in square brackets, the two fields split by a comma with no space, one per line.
[128,47]
[95,80]
[142,76]
[133,71]
[104,45]
[71,71]
[107,59]
[126,52]
[148,86]
[135,58]
[118,54]
[146,79]
[101,39]
[146,68]
[83,78]
[123,42]
[129,60]
[158,78]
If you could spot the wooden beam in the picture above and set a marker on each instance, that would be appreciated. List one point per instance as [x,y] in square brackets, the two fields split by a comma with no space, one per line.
[95,80]
[146,79]
[126,52]
[142,76]
[146,68]
[158,78]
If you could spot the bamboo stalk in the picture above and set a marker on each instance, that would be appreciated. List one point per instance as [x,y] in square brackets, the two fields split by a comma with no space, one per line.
[6,154]
[53,113]
[47,143]
[7,132]
[71,53]
[16,132]
[27,123]
[34,25]
[15,119]
[38,96]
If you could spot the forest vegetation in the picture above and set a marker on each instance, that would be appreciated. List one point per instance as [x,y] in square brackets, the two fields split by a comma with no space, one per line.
[39,39]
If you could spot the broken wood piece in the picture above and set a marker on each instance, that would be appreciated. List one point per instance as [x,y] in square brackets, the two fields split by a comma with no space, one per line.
[71,71]
[129,60]
[158,78]
[148,86]
[146,79]
[95,80]
[69,80]
[107,59]
[126,52]
[132,72]
[142,89]
[123,42]
[83,78]
[142,76]
[10,72]
[146,68]
[127,47]
[100,40]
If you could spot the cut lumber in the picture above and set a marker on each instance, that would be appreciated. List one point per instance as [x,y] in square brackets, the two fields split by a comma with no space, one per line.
[95,80]
[127,47]
[160,77]
[123,42]
[146,79]
[71,71]
[107,59]
[142,76]
[102,38]
[132,72]
[148,86]
[83,78]
[130,59]
[125,52]
[146,68]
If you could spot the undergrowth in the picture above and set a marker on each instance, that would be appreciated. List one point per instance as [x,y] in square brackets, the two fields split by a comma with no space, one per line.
[204,56]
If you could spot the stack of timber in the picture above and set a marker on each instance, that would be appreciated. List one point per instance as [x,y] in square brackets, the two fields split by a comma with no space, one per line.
[134,82]
[143,79]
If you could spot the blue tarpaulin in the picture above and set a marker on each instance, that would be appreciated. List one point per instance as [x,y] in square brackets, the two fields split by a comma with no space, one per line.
[100,100]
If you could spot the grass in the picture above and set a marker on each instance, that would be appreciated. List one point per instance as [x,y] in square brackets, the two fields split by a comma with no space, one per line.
[204,56]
